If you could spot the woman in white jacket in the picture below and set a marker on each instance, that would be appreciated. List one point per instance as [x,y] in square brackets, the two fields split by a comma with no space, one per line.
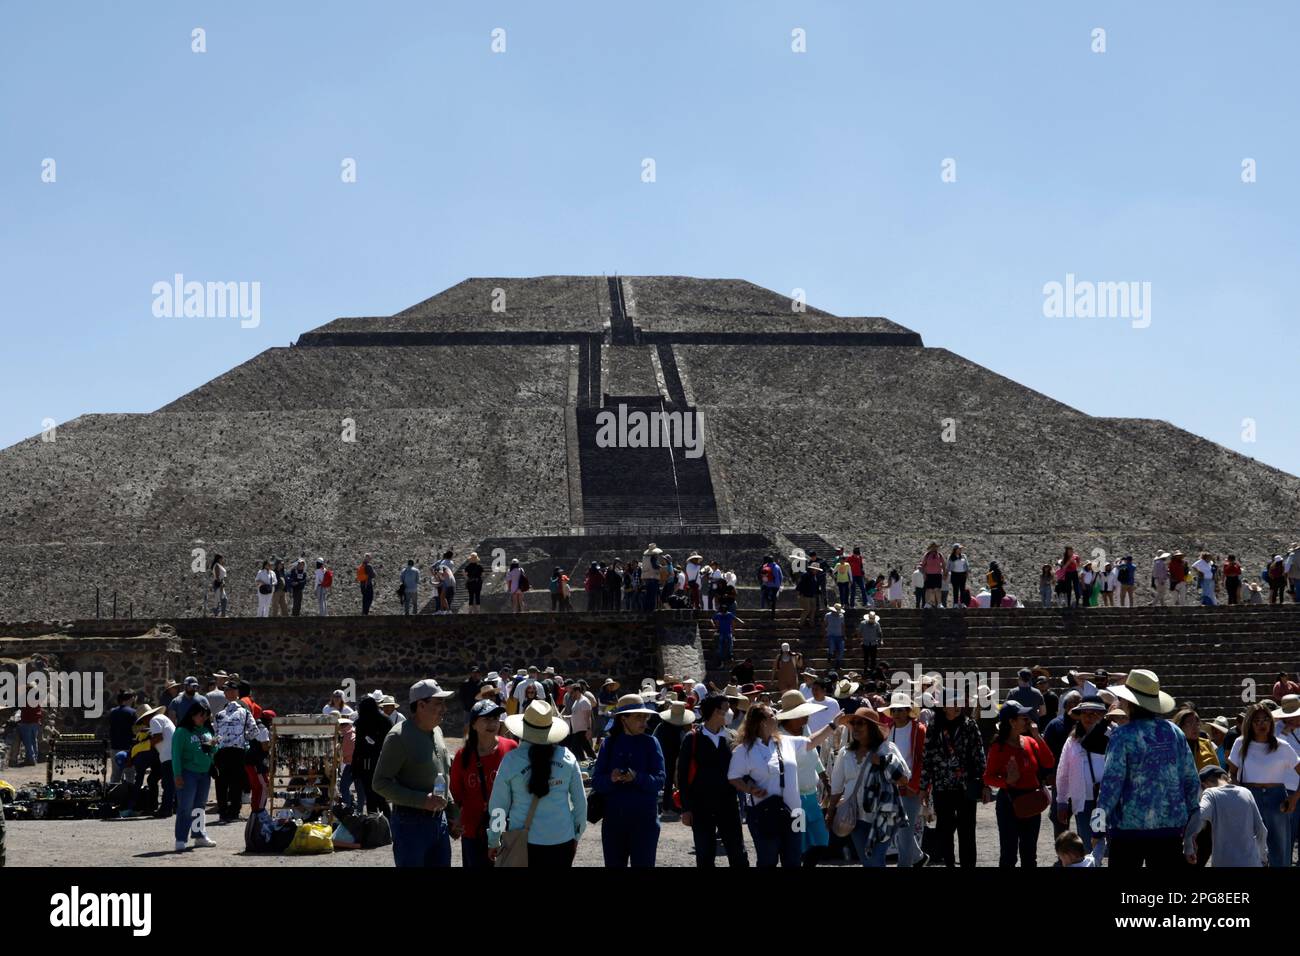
[1079,772]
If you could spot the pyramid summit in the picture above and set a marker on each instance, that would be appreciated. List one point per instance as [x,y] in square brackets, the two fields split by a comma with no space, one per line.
[471,420]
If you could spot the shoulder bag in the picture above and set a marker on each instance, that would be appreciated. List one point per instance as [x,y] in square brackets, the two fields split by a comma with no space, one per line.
[514,843]
[845,820]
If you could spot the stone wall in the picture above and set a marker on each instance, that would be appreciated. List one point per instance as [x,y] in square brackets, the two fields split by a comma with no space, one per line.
[294,664]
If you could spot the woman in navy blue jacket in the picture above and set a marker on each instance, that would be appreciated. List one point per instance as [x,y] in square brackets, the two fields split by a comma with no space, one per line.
[630,773]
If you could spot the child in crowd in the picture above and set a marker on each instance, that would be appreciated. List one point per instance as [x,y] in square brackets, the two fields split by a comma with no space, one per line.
[1069,850]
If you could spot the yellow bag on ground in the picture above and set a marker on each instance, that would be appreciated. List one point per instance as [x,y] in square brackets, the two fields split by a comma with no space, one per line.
[312,838]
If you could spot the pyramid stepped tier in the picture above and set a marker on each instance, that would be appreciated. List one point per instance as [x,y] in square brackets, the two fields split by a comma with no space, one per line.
[473,416]
[1213,657]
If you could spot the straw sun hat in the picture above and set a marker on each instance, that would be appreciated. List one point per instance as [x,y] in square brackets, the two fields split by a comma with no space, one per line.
[1143,688]
[538,724]
[794,706]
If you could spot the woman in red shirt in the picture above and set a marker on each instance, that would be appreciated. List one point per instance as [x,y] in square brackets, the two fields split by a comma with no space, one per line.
[1232,579]
[1016,759]
[1070,565]
[473,770]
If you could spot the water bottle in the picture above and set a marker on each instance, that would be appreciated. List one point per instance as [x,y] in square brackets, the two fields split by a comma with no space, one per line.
[440,787]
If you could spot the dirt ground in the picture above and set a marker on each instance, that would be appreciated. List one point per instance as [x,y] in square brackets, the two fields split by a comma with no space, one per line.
[149,842]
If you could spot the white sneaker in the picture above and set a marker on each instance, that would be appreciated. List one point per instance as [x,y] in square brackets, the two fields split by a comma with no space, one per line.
[181,845]
[204,841]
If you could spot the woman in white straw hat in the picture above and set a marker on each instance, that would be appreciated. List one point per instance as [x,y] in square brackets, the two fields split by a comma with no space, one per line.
[630,773]
[538,788]
[867,773]
[793,720]
[1150,788]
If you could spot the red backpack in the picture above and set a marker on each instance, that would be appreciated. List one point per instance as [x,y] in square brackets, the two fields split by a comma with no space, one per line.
[327,579]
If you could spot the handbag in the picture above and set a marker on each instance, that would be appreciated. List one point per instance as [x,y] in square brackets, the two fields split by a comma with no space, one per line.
[771,817]
[514,843]
[264,589]
[846,811]
[595,806]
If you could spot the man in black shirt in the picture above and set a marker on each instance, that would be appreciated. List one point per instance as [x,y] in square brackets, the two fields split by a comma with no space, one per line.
[121,732]
[710,806]
[469,688]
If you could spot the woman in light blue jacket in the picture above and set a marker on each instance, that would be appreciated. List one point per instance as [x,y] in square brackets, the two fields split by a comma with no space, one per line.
[538,769]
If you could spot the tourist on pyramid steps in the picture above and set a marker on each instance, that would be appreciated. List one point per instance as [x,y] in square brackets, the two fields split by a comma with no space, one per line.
[630,773]
[413,774]
[193,744]
[835,635]
[257,760]
[1232,579]
[1070,576]
[612,597]
[1016,757]
[786,669]
[935,571]
[1160,577]
[446,588]
[579,711]
[872,635]
[1046,585]
[632,599]
[515,579]
[743,673]
[560,590]
[1057,730]
[1284,685]
[769,581]
[371,728]
[473,774]
[1277,582]
[366,581]
[952,778]
[1026,694]
[264,581]
[1291,564]
[1080,768]
[538,788]
[409,588]
[1266,765]
[235,727]
[843,574]
[672,724]
[727,597]
[594,585]
[918,586]
[895,588]
[667,579]
[650,576]
[725,622]
[908,735]
[473,572]
[1177,577]
[297,583]
[868,772]
[807,587]
[1207,579]
[1236,834]
[692,570]
[279,601]
[793,718]
[997,585]
[1146,798]
[219,604]
[958,569]
[1087,584]
[708,800]
[1109,584]
[324,581]
[858,581]
[873,589]
[1126,577]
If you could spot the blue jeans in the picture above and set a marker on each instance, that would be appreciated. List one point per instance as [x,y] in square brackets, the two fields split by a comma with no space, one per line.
[1045,594]
[769,595]
[786,849]
[346,783]
[630,837]
[908,837]
[191,803]
[419,838]
[1269,800]
[1016,837]
[30,734]
[651,596]
[844,592]
[1083,823]
[856,585]
[725,643]
[859,838]
[836,646]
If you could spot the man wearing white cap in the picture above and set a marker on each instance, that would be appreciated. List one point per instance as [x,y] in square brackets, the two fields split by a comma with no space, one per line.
[412,774]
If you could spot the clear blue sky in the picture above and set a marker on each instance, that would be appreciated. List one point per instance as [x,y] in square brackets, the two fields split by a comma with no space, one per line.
[818,170]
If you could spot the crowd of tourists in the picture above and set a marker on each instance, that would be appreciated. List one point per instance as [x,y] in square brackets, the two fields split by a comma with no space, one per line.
[656,580]
[801,770]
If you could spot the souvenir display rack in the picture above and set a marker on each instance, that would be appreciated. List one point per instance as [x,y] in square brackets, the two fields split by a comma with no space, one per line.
[306,753]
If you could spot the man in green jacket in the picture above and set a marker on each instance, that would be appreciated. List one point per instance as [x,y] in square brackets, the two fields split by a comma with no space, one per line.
[412,774]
